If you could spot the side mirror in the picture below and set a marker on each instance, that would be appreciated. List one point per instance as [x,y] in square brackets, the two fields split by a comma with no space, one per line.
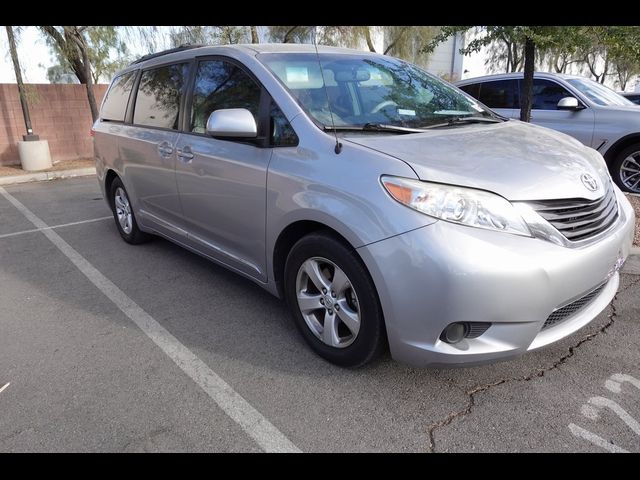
[569,103]
[232,122]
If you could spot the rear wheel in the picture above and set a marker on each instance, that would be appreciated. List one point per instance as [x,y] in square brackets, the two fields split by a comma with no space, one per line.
[123,214]
[626,169]
[333,301]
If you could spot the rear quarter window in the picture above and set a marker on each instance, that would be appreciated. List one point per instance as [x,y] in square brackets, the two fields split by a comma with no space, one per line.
[159,95]
[117,98]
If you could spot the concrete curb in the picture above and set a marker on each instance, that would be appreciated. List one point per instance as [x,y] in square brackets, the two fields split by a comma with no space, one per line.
[43,176]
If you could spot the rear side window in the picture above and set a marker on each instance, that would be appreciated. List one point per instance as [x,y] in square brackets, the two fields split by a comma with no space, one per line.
[500,94]
[220,84]
[547,94]
[159,95]
[115,103]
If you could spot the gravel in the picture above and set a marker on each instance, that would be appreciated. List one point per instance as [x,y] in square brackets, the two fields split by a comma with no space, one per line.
[635,202]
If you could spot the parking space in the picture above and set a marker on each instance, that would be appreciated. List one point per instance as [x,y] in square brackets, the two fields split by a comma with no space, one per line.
[87,371]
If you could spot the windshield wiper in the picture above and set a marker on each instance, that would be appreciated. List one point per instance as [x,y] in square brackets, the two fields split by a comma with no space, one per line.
[373,127]
[463,120]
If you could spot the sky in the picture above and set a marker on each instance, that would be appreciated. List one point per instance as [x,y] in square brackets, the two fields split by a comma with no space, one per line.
[32,51]
[35,56]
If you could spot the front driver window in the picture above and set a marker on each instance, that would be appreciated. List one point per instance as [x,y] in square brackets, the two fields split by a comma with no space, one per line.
[220,84]
[547,94]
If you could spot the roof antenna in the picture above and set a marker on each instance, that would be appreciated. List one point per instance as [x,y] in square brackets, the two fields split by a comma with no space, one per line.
[338,148]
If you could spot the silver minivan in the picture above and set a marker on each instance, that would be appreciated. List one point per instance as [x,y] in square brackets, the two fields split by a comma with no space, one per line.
[388,208]
[588,111]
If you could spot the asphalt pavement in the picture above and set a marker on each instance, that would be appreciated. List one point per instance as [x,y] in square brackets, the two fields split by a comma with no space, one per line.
[106,346]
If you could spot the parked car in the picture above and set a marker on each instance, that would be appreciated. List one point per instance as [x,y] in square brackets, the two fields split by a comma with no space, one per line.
[577,106]
[384,205]
[633,97]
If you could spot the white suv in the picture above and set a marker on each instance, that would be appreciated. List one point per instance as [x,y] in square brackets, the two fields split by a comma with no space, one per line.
[598,117]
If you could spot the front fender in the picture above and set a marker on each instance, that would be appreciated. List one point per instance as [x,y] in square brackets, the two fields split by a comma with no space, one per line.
[311,183]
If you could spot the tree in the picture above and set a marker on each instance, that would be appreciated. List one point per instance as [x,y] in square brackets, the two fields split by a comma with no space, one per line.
[254,34]
[212,35]
[60,74]
[102,42]
[559,60]
[623,52]
[400,41]
[76,46]
[21,89]
[595,53]
[290,33]
[534,39]
[506,54]
[406,41]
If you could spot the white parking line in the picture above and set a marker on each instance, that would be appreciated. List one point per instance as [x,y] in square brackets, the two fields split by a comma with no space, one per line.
[266,435]
[2,389]
[5,235]
[578,431]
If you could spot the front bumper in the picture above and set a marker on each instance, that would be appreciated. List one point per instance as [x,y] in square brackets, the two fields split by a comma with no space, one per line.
[443,273]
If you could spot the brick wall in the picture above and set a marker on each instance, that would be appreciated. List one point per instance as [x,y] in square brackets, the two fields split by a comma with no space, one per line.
[59,114]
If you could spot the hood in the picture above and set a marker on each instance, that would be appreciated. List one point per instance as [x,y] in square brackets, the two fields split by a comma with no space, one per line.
[517,160]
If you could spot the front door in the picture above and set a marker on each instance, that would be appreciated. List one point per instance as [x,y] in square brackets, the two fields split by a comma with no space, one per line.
[544,112]
[222,183]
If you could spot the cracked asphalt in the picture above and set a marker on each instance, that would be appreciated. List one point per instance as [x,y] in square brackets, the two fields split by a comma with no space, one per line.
[82,377]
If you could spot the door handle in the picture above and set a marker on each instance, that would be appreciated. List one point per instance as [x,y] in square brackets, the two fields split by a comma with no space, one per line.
[165,149]
[185,154]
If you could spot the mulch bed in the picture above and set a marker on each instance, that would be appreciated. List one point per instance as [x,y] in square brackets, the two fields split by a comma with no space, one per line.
[8,170]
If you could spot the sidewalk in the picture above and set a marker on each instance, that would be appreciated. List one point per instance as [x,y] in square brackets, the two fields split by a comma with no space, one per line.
[13,174]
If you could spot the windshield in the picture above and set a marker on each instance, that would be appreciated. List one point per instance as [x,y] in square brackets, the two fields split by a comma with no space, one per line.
[597,93]
[364,90]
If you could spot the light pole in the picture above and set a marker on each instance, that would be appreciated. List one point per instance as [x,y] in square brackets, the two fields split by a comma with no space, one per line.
[30,136]
[34,153]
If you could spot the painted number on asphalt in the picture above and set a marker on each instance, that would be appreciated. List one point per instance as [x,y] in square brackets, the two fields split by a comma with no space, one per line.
[591,410]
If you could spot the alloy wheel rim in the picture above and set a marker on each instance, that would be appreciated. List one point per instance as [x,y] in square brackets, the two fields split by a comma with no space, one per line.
[630,172]
[123,211]
[328,302]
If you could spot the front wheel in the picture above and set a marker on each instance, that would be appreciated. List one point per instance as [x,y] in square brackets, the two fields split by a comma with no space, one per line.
[626,169]
[333,301]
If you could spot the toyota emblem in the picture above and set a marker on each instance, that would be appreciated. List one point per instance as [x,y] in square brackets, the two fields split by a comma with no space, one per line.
[589,182]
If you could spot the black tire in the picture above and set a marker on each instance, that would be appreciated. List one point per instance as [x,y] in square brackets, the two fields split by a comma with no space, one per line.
[616,167]
[370,340]
[135,236]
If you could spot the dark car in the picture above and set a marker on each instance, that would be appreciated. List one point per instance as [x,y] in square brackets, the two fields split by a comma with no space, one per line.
[587,110]
[632,96]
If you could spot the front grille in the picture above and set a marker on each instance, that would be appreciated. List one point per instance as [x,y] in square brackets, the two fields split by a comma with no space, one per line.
[561,314]
[579,219]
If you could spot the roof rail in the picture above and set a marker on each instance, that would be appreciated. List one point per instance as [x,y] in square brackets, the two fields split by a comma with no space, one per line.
[187,46]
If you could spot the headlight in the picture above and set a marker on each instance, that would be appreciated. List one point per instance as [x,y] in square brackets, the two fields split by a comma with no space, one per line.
[466,206]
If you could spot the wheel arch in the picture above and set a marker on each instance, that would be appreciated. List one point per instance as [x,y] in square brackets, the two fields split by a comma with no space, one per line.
[293,232]
[110,176]
[619,145]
